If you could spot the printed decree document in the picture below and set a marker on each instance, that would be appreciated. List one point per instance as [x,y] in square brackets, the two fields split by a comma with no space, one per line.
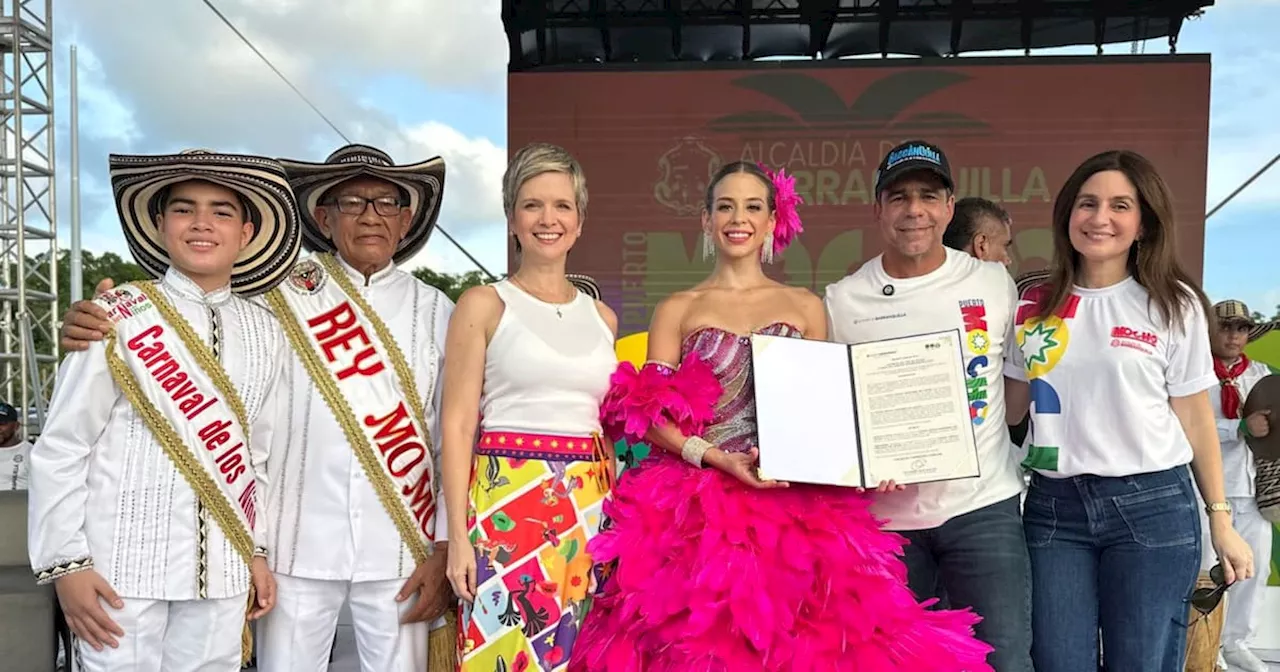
[856,415]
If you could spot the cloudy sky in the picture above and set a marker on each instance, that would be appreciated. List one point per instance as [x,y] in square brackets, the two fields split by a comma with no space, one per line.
[417,80]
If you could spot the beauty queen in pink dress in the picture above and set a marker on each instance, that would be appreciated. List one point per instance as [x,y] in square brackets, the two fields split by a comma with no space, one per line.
[701,572]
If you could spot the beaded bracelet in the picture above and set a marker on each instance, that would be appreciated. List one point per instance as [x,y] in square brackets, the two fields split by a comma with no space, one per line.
[693,449]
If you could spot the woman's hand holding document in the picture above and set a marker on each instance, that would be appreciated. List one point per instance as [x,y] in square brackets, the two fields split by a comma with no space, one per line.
[860,415]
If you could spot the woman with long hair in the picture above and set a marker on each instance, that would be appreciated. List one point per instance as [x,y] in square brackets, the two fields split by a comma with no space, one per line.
[529,362]
[709,568]
[1115,344]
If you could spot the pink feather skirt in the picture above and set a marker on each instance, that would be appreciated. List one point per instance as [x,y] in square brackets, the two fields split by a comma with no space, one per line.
[701,574]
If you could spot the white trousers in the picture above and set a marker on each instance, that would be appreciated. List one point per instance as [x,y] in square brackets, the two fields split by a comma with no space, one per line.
[159,636]
[297,636]
[1244,599]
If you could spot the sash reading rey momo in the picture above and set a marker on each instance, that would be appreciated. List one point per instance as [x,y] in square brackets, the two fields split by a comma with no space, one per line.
[184,396]
[355,364]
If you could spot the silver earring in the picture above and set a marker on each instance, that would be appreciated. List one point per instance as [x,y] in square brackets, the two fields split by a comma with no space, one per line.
[766,252]
[708,245]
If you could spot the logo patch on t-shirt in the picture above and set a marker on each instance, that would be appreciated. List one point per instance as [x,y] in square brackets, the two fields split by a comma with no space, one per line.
[977,342]
[1128,337]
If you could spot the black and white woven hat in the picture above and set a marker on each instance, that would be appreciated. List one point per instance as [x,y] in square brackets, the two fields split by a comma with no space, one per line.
[423,182]
[140,181]
[1031,278]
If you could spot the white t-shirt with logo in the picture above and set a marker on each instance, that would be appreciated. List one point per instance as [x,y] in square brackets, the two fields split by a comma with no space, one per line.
[13,466]
[1102,370]
[978,298]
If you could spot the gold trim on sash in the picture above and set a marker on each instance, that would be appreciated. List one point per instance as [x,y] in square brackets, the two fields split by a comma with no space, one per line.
[192,471]
[391,500]
[403,372]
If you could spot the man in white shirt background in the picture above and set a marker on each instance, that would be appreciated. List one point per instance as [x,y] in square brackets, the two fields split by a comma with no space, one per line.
[981,228]
[14,452]
[1237,375]
[966,537]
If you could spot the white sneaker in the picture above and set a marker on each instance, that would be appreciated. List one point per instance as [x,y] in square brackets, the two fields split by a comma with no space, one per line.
[1243,660]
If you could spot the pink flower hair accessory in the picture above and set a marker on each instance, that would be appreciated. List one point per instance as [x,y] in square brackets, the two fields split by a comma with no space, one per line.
[786,216]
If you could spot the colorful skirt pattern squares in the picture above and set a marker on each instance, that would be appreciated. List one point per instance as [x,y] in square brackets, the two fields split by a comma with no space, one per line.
[535,503]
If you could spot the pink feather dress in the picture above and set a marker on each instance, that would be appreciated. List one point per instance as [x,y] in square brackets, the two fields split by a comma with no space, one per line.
[702,574]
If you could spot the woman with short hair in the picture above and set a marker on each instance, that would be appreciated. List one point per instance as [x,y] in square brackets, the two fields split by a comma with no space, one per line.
[529,362]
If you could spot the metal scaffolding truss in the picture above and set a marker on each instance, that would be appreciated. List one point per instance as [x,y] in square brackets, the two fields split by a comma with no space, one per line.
[582,33]
[28,232]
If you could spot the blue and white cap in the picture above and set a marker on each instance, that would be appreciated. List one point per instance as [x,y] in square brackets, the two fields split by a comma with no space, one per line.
[909,157]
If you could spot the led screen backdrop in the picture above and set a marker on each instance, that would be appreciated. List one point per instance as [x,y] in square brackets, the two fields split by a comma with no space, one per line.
[1014,129]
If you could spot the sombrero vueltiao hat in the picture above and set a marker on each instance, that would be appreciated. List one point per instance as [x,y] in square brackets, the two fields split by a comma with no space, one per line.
[1031,278]
[585,284]
[1233,310]
[1262,329]
[423,182]
[139,182]
[1266,392]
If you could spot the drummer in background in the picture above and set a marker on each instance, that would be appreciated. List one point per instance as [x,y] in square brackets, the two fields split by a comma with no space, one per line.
[1237,375]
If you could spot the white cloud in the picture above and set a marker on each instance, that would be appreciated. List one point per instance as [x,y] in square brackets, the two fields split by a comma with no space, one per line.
[441,42]
[473,190]
[110,119]
[158,77]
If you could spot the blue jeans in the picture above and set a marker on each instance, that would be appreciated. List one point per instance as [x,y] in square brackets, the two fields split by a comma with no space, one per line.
[979,560]
[1121,554]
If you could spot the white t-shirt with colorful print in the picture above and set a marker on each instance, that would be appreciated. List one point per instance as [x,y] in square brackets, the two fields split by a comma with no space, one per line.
[1102,370]
[977,298]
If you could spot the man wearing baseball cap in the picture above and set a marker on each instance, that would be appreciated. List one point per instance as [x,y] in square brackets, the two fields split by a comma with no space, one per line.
[14,452]
[966,537]
[1237,375]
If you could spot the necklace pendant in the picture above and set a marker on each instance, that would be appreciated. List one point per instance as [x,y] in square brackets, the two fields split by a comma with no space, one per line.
[558,313]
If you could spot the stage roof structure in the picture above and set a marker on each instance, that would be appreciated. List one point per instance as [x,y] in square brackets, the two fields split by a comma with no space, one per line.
[577,34]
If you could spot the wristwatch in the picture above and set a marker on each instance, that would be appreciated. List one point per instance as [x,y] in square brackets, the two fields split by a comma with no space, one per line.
[1224,507]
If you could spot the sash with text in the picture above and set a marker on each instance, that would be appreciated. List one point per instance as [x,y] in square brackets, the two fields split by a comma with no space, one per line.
[359,370]
[175,383]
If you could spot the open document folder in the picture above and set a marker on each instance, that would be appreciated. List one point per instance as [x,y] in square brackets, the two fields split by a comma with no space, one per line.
[856,415]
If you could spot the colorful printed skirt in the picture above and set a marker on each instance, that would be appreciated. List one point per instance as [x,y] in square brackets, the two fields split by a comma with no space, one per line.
[535,503]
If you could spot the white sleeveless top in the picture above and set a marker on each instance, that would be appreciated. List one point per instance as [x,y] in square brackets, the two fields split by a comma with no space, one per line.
[546,373]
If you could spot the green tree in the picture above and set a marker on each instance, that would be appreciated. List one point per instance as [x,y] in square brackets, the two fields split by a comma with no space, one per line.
[453,285]
[95,267]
